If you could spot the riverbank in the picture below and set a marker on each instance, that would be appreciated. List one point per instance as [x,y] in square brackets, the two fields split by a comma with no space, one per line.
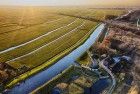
[42,77]
[127,43]
[24,76]
[50,62]
[77,79]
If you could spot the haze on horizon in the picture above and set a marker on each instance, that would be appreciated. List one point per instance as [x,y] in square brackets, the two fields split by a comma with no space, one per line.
[71,2]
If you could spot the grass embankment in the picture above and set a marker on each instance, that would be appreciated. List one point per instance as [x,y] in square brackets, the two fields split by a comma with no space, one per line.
[84,59]
[50,62]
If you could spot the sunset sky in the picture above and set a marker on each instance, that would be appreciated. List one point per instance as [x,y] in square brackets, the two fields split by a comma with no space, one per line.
[71,2]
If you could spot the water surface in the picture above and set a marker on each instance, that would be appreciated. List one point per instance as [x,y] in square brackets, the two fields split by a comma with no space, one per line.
[42,77]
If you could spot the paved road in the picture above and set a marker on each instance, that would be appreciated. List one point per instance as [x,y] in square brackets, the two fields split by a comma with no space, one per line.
[129,12]
[101,64]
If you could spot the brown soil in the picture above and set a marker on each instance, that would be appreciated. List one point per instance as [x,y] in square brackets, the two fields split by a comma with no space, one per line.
[128,43]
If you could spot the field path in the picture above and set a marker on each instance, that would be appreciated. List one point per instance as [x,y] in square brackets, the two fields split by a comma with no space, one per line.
[46,44]
[12,48]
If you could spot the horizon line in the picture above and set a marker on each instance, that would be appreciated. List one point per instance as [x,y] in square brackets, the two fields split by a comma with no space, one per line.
[96,6]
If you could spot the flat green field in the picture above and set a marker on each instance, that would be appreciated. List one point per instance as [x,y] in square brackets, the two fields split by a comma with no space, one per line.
[31,36]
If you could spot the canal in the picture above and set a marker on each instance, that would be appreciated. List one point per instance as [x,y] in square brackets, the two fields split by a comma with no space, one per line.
[42,77]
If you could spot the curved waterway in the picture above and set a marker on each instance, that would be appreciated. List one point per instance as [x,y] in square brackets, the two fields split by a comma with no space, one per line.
[42,77]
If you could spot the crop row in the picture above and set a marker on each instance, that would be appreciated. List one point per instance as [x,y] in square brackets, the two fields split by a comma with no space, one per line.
[41,41]
[49,51]
[18,37]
